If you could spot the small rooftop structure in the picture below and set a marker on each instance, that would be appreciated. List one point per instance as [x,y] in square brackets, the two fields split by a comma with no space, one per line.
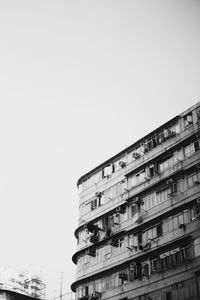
[14,282]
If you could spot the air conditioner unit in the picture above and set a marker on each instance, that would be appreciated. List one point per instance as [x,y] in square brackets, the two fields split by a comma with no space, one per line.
[132,266]
[136,155]
[91,227]
[122,164]
[170,181]
[94,238]
[139,219]
[171,133]
[94,296]
[181,226]
[98,194]
[123,276]
[114,243]
[91,252]
[123,208]
[118,209]
[198,134]
[138,200]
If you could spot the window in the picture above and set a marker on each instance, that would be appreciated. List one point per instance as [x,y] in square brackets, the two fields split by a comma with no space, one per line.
[148,145]
[155,265]
[86,261]
[93,204]
[195,211]
[83,235]
[120,242]
[177,156]
[140,176]
[137,178]
[85,291]
[159,229]
[133,210]
[107,283]
[165,261]
[107,252]
[145,297]
[173,222]
[107,171]
[192,178]
[150,201]
[174,257]
[114,219]
[191,148]
[97,201]
[198,113]
[107,195]
[168,296]
[136,207]
[117,219]
[117,190]
[137,272]
[117,244]
[197,247]
[162,195]
[96,177]
[80,188]
[146,268]
[152,170]
[133,242]
[150,234]
[188,120]
[168,133]
[166,164]
[181,185]
[175,128]
[140,240]
[172,184]
[185,253]
[160,138]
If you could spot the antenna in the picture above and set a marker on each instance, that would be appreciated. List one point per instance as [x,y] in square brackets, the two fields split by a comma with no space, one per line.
[61,283]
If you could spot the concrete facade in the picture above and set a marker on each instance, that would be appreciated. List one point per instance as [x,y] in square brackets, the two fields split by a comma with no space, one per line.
[138,234]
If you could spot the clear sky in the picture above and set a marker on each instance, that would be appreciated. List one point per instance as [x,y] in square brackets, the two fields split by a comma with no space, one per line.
[79,82]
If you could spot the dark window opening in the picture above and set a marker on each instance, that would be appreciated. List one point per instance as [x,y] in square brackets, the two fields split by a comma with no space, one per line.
[85,291]
[196,146]
[159,229]
[151,171]
[140,240]
[168,296]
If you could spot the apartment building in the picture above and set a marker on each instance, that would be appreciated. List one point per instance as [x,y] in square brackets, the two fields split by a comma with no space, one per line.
[138,234]
[20,285]
[12,295]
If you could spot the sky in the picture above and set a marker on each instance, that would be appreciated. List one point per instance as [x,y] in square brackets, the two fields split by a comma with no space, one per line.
[80,81]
